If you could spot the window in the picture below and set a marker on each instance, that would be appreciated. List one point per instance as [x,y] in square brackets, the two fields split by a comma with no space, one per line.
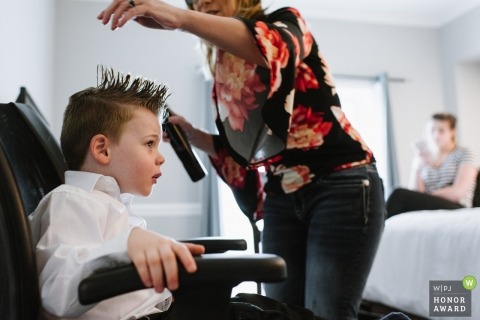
[234,224]
[362,102]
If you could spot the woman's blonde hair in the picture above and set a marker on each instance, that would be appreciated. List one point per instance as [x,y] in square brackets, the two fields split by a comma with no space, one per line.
[247,9]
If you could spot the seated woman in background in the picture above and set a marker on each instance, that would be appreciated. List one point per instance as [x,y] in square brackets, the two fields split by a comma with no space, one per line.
[443,179]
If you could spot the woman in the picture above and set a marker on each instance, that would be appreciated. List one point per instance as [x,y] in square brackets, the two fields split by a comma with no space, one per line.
[277,108]
[443,179]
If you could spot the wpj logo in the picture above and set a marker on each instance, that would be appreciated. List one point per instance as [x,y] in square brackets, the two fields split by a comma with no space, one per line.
[452,298]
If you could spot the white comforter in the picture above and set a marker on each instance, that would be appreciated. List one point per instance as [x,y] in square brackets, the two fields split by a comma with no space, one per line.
[420,246]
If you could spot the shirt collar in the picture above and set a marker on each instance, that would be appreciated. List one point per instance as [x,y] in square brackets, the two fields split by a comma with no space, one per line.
[89,181]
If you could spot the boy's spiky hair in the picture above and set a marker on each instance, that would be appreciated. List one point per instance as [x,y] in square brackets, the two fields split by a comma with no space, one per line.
[111,83]
[105,108]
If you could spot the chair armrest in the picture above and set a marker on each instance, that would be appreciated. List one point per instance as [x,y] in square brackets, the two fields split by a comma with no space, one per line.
[222,269]
[218,244]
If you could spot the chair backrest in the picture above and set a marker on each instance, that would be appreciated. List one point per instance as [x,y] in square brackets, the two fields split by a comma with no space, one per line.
[476,194]
[30,167]
[31,149]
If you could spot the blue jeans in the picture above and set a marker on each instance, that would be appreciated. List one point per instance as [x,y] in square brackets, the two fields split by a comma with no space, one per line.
[328,233]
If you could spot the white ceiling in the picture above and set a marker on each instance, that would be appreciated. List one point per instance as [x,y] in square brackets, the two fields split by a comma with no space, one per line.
[417,13]
[423,13]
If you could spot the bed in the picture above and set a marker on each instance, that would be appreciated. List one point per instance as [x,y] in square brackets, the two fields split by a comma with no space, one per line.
[420,246]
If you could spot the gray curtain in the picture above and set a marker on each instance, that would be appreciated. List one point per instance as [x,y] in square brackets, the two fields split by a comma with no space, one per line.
[392,166]
[210,201]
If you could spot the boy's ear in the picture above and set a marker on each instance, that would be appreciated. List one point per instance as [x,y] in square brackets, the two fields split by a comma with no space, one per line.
[100,148]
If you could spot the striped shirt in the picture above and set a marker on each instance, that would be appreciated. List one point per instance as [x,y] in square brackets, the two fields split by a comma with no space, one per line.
[437,177]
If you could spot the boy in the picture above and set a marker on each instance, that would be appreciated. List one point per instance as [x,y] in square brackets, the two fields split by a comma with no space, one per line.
[110,139]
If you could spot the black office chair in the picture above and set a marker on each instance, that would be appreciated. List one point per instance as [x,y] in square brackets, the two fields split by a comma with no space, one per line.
[31,165]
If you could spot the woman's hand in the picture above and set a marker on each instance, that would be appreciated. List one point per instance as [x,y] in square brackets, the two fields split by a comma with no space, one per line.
[180,121]
[149,13]
[198,138]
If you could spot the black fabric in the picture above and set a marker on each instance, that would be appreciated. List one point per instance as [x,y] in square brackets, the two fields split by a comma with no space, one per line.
[245,306]
[476,194]
[404,200]
[256,307]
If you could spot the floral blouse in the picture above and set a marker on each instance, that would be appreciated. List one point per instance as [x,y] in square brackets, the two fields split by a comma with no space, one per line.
[286,118]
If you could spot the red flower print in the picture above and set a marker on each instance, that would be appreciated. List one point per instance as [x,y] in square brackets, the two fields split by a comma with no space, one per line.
[293,178]
[305,78]
[229,170]
[234,173]
[236,85]
[307,129]
[307,37]
[275,50]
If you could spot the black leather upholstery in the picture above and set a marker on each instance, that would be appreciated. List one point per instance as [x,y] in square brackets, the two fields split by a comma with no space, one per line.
[18,273]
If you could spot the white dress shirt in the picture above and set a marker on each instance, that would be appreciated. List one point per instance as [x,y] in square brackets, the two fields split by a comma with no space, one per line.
[80,226]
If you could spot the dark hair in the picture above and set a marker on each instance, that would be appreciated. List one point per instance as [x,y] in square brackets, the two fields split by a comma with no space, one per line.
[104,109]
[443,116]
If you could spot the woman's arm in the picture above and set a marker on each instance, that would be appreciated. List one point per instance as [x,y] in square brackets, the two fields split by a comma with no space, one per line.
[416,182]
[226,33]
[465,178]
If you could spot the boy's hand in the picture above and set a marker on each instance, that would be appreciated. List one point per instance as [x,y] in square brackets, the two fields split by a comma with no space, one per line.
[155,258]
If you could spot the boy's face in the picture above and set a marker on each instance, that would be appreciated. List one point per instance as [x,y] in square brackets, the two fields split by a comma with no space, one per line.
[135,158]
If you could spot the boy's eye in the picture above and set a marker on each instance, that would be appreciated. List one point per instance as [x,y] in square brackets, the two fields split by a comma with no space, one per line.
[150,144]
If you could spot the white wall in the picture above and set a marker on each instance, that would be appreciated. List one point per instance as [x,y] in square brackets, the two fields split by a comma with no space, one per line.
[460,47]
[467,76]
[26,55]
